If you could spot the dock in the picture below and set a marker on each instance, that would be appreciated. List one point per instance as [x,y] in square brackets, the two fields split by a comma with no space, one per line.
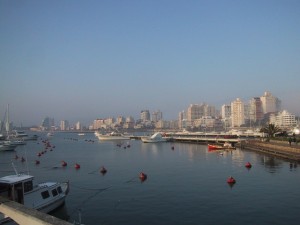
[26,216]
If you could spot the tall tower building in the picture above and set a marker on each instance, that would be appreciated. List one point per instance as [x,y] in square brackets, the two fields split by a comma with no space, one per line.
[237,113]
[157,116]
[226,111]
[145,115]
[64,125]
[270,104]
[256,110]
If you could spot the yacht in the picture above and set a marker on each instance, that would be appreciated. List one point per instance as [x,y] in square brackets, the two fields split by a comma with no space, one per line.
[155,138]
[112,136]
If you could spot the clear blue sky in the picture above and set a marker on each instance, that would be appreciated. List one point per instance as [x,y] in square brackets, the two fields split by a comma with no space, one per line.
[81,60]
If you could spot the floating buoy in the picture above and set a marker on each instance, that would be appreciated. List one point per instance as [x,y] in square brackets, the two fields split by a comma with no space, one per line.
[172,147]
[231,180]
[37,162]
[77,166]
[143,176]
[22,159]
[103,170]
[248,165]
[39,154]
[16,156]
[63,163]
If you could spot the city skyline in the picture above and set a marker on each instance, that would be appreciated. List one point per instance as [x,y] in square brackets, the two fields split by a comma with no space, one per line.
[79,61]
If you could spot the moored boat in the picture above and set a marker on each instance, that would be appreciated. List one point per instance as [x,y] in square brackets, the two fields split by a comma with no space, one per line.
[44,197]
[155,138]
[226,146]
[112,136]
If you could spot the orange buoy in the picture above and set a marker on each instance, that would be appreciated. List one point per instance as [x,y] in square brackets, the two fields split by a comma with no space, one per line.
[77,166]
[248,165]
[63,163]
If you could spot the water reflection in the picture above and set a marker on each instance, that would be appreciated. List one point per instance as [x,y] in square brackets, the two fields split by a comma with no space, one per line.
[271,164]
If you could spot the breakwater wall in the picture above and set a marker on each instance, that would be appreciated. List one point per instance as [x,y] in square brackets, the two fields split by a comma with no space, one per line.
[275,148]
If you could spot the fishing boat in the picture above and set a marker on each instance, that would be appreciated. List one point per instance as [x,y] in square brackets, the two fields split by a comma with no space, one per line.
[155,138]
[226,146]
[45,197]
[112,136]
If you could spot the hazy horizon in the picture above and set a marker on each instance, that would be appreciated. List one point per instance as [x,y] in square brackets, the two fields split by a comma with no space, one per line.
[78,60]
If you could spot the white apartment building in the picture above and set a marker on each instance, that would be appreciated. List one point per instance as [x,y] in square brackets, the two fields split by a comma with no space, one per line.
[270,104]
[145,115]
[237,113]
[226,111]
[196,111]
[157,116]
[283,120]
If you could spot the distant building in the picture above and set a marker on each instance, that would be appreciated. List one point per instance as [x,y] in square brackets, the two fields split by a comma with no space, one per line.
[256,110]
[157,116]
[47,123]
[270,104]
[181,120]
[226,111]
[196,111]
[283,120]
[237,113]
[64,125]
[78,126]
[145,115]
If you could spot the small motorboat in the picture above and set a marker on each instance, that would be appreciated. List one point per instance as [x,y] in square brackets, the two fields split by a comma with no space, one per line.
[45,197]
[226,146]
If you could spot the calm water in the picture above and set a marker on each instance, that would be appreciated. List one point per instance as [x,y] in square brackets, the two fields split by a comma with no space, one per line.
[186,185]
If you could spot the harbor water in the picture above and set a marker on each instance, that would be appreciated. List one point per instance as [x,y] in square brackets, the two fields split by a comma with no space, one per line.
[185,183]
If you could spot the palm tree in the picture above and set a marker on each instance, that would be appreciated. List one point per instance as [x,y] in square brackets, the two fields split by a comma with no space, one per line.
[270,129]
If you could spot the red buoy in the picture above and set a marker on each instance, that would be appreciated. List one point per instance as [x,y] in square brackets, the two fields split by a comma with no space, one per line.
[103,170]
[231,180]
[248,165]
[143,176]
[77,166]
[63,163]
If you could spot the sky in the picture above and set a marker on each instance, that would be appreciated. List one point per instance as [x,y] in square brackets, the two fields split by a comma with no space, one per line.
[81,60]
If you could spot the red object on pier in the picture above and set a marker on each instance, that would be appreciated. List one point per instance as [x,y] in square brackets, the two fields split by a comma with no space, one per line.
[231,180]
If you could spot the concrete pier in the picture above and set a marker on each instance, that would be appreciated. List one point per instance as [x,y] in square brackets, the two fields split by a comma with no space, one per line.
[26,216]
[276,148]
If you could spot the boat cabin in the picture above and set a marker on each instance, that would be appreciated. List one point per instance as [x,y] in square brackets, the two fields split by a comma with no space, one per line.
[14,187]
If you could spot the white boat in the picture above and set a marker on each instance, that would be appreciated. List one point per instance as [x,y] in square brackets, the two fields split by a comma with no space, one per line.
[112,136]
[7,146]
[44,197]
[17,134]
[155,138]
[81,134]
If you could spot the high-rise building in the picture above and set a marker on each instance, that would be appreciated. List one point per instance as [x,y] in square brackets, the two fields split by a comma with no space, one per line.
[237,113]
[145,115]
[64,125]
[47,123]
[226,111]
[196,111]
[270,104]
[256,110]
[157,116]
